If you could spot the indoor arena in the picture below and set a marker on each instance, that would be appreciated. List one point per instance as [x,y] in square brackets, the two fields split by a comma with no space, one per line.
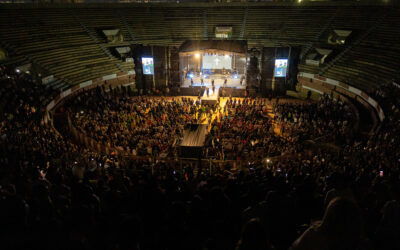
[200,125]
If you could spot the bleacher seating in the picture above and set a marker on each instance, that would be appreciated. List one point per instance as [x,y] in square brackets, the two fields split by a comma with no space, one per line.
[375,59]
[54,37]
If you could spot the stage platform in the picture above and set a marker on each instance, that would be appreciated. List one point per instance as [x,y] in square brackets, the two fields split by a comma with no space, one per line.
[212,96]
[218,82]
[194,135]
[193,140]
[223,92]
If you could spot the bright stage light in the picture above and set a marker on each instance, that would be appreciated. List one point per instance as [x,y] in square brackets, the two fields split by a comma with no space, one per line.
[226,56]
[235,76]
[17,70]
[191,75]
[197,55]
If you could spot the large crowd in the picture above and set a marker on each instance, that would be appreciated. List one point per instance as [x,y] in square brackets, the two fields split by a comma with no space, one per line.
[241,129]
[138,126]
[57,194]
[246,131]
[326,118]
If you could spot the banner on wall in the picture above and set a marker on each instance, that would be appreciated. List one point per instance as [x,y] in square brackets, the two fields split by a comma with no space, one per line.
[47,79]
[223,32]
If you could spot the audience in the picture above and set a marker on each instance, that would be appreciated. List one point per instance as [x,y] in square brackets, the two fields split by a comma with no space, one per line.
[139,126]
[57,194]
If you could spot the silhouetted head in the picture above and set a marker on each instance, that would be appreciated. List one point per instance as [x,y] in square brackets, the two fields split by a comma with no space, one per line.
[342,223]
[253,236]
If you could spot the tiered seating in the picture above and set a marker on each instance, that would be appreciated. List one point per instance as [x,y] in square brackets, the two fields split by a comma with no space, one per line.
[77,64]
[376,58]
[101,18]
[37,30]
[55,39]
[273,26]
[165,26]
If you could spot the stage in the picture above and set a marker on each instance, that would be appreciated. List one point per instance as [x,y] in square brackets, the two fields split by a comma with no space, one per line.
[218,82]
[202,66]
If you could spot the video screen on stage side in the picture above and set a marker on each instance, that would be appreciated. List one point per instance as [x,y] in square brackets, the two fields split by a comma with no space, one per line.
[148,67]
[280,67]
[217,62]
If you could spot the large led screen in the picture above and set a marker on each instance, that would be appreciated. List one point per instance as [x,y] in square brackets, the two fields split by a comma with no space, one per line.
[148,67]
[280,67]
[217,62]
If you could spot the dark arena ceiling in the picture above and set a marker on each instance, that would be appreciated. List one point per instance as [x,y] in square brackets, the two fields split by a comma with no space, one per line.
[63,39]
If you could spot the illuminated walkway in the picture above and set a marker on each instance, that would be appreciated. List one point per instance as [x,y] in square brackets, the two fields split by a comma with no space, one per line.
[212,96]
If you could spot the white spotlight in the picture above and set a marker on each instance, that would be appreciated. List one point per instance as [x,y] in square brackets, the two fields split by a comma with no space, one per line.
[197,55]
